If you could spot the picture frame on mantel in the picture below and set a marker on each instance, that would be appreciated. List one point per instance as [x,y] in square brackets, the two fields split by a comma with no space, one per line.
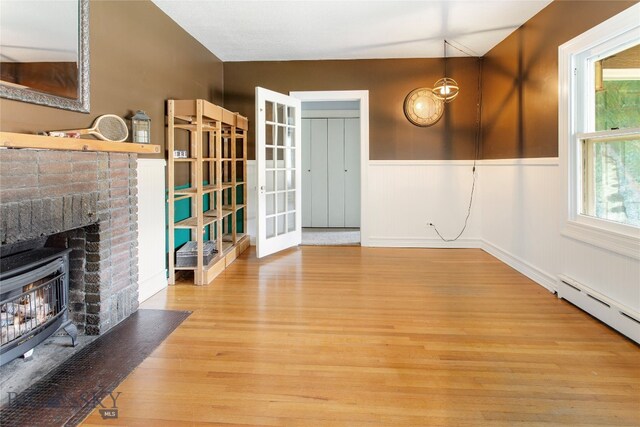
[50,71]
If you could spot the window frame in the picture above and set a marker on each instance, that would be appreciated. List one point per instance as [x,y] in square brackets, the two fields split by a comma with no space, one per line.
[576,123]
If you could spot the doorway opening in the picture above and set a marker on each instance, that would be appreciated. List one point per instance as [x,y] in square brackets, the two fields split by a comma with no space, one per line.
[332,157]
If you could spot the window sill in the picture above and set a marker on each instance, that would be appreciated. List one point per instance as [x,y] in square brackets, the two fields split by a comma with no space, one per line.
[627,244]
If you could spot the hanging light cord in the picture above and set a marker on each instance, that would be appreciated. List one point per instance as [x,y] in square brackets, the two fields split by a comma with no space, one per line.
[445,57]
[475,157]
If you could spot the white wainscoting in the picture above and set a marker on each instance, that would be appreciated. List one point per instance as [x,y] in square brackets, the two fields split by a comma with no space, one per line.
[515,217]
[521,213]
[405,196]
[252,199]
[152,273]
[521,226]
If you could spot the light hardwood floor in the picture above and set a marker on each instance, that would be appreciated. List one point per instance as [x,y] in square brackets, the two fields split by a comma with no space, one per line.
[349,336]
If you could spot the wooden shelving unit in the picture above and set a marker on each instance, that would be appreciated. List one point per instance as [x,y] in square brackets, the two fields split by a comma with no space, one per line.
[216,170]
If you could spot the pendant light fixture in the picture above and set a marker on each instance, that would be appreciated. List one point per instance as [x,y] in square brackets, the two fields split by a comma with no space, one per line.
[446,89]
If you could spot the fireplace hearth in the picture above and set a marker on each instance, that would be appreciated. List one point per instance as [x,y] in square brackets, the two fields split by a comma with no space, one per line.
[34,295]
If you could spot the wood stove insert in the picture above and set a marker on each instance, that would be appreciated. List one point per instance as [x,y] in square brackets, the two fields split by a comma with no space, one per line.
[34,295]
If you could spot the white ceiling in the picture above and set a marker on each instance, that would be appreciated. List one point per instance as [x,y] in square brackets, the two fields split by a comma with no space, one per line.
[305,30]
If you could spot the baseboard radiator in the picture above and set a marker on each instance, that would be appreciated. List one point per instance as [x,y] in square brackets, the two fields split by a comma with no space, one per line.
[624,319]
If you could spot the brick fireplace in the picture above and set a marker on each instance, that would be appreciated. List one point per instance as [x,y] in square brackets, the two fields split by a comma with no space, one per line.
[84,201]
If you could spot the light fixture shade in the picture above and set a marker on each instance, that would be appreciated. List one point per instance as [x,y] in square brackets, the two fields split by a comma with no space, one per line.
[446,89]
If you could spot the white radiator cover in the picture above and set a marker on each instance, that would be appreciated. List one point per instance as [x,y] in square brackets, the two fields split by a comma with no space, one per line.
[152,272]
[614,314]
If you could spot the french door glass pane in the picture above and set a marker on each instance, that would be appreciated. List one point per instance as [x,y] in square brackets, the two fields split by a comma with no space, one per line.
[290,136]
[291,116]
[281,180]
[269,135]
[271,227]
[281,202]
[269,110]
[290,158]
[270,180]
[280,136]
[271,204]
[291,180]
[281,114]
[291,201]
[281,224]
[291,222]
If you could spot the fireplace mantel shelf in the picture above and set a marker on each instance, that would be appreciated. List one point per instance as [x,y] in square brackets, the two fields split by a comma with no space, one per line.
[23,140]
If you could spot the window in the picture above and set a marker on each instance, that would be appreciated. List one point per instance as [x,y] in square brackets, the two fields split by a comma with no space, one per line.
[610,137]
[611,178]
[599,134]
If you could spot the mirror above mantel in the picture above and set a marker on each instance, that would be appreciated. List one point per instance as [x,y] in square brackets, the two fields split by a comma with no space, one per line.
[44,52]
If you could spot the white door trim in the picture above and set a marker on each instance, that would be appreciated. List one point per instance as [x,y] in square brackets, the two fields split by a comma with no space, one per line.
[363,97]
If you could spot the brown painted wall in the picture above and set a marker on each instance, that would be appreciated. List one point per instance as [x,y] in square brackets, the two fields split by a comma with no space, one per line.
[139,58]
[520,79]
[392,137]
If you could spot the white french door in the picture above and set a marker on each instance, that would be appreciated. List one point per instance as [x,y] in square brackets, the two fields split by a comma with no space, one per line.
[278,156]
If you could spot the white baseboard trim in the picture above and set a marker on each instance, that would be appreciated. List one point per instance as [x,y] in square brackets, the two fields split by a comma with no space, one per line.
[152,285]
[542,278]
[392,242]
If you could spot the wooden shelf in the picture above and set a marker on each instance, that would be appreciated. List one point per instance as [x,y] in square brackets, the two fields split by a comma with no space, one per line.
[184,196]
[212,213]
[23,140]
[193,190]
[193,127]
[212,130]
[229,238]
[187,110]
[192,222]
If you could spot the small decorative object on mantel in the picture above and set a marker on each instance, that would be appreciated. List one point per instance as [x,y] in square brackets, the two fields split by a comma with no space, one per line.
[108,127]
[62,134]
[141,127]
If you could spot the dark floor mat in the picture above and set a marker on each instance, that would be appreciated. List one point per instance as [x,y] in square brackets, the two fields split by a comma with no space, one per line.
[70,392]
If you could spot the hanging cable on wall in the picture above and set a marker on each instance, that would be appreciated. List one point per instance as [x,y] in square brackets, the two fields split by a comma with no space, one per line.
[478,138]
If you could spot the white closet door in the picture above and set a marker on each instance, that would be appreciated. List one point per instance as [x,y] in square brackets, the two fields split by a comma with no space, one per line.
[352,174]
[319,208]
[307,190]
[336,170]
